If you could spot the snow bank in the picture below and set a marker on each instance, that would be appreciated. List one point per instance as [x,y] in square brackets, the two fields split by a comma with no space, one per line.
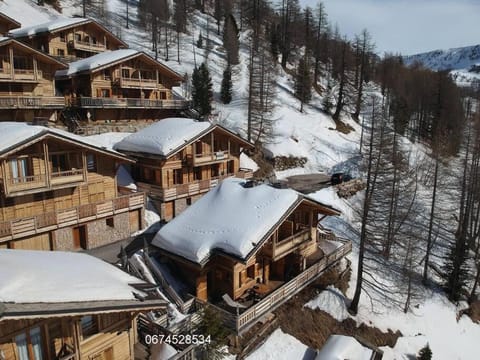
[56,276]
[332,301]
[230,217]
[339,347]
[406,348]
[248,163]
[282,346]
[163,137]
[124,178]
[26,12]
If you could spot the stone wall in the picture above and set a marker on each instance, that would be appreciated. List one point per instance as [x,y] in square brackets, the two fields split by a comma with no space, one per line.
[63,239]
[100,233]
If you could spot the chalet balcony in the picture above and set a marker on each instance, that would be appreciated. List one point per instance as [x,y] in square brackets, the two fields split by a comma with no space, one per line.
[18,228]
[278,293]
[20,75]
[32,102]
[87,46]
[210,158]
[192,188]
[68,177]
[130,103]
[283,247]
[135,83]
[27,183]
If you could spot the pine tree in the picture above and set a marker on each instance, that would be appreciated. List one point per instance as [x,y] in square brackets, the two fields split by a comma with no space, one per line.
[425,353]
[226,90]
[200,41]
[303,83]
[216,335]
[230,40]
[456,269]
[202,90]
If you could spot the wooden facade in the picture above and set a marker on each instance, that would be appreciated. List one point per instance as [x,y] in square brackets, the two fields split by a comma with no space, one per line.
[60,194]
[288,251]
[107,336]
[70,41]
[7,24]
[178,180]
[27,83]
[130,86]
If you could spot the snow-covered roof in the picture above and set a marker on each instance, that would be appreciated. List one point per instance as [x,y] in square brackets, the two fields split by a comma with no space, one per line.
[96,61]
[164,137]
[55,276]
[231,217]
[339,347]
[7,18]
[16,133]
[48,26]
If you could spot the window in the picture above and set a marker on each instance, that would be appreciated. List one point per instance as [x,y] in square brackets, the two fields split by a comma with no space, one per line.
[91,163]
[21,62]
[125,73]
[59,162]
[62,37]
[105,93]
[21,169]
[177,176]
[110,223]
[197,173]
[94,40]
[89,326]
[189,201]
[60,52]
[78,37]
[29,345]
[107,75]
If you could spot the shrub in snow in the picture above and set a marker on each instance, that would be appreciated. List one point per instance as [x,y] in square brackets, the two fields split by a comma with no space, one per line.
[425,353]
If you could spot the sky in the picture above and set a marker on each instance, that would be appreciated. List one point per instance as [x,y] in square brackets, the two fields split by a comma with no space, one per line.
[408,26]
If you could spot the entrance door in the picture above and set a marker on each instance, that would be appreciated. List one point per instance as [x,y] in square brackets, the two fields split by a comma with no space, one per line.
[80,237]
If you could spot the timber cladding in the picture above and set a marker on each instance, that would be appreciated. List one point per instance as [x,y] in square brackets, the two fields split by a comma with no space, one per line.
[104,336]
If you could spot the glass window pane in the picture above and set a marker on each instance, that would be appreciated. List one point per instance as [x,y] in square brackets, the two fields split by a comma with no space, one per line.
[22,348]
[36,339]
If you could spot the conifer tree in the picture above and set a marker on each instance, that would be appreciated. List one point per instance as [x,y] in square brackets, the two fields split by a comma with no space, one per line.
[226,90]
[303,83]
[202,90]
[425,353]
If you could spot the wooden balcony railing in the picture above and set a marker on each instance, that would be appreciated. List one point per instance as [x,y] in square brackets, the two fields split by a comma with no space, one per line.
[68,176]
[18,228]
[114,103]
[284,246]
[192,188]
[124,82]
[32,102]
[87,46]
[208,158]
[242,322]
[27,182]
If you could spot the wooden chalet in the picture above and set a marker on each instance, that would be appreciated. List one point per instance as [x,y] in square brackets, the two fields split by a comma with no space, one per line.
[69,39]
[179,159]
[58,191]
[51,310]
[247,249]
[120,86]
[27,83]
[7,24]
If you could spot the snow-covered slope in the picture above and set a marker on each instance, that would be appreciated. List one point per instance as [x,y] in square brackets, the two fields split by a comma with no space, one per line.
[463,62]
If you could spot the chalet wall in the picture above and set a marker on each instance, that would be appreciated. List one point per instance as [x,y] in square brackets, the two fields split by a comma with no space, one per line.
[114,337]
[100,233]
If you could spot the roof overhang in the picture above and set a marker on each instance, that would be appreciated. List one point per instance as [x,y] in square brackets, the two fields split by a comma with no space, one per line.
[45,57]
[10,20]
[17,311]
[49,135]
